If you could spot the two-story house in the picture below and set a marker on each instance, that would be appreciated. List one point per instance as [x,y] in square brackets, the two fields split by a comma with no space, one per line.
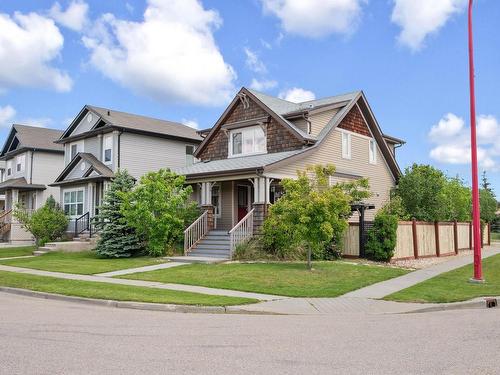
[32,161]
[100,141]
[260,139]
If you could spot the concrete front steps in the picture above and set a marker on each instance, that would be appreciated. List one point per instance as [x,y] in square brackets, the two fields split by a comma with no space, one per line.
[82,243]
[214,245]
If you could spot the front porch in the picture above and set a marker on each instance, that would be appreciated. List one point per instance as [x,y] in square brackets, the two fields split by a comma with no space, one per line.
[234,210]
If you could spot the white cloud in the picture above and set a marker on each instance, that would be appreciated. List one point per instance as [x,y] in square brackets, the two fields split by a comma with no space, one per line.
[29,43]
[41,122]
[74,17]
[418,19]
[253,62]
[192,123]
[452,141]
[263,85]
[297,95]
[316,18]
[170,56]
[7,114]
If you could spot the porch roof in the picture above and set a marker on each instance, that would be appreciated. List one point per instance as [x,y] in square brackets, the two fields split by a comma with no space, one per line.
[239,164]
[19,184]
[95,171]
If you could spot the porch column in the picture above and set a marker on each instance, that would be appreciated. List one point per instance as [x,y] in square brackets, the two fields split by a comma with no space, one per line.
[206,203]
[261,201]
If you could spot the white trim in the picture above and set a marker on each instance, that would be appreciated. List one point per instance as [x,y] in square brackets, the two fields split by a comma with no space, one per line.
[69,190]
[218,208]
[242,131]
[340,130]
[104,148]
[372,158]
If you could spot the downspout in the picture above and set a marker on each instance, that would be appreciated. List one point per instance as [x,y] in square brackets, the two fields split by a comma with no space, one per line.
[119,148]
[31,166]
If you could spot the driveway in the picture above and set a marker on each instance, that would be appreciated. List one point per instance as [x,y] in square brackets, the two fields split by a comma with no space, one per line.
[53,337]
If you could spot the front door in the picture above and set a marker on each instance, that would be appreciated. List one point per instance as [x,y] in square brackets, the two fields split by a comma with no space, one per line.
[243,192]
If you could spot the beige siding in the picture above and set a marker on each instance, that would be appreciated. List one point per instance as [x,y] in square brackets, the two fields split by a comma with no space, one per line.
[46,168]
[330,152]
[320,120]
[301,124]
[446,239]
[85,125]
[463,235]
[140,154]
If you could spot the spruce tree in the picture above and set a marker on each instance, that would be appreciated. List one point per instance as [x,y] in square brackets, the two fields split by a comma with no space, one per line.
[117,239]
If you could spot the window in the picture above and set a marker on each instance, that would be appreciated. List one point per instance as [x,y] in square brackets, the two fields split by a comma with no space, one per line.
[73,203]
[216,199]
[20,162]
[346,145]
[107,153]
[75,148]
[247,141]
[9,167]
[373,151]
[189,155]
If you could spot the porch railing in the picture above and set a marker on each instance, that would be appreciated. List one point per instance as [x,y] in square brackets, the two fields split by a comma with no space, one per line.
[5,220]
[241,232]
[195,232]
[82,223]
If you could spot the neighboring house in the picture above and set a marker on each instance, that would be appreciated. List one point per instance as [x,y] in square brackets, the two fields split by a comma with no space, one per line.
[260,140]
[2,177]
[100,141]
[32,161]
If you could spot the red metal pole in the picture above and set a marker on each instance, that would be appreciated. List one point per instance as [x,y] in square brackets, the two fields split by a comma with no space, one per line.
[478,276]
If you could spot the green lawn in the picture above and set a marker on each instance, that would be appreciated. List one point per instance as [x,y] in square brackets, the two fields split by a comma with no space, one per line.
[495,236]
[453,286]
[328,279]
[16,251]
[89,289]
[85,262]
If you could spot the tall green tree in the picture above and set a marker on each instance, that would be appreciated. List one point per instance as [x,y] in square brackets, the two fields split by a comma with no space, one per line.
[117,238]
[159,209]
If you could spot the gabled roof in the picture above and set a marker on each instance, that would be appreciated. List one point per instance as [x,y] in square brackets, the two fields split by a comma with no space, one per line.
[31,137]
[102,171]
[135,123]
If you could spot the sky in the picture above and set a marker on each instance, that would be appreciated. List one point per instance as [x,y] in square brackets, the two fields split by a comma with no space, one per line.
[183,60]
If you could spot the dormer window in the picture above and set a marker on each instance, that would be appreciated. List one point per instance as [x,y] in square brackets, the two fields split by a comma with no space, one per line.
[247,141]
[107,151]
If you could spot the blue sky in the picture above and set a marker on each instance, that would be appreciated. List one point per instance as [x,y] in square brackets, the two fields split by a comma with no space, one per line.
[182,60]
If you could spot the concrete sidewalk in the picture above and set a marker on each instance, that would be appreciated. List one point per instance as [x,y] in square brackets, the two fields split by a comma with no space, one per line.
[147,284]
[384,288]
[129,271]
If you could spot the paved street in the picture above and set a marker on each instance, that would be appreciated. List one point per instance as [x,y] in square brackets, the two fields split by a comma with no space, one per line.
[53,337]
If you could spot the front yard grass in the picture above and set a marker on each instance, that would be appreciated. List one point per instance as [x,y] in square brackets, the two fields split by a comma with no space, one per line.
[453,286]
[328,279]
[495,236]
[8,252]
[84,262]
[90,289]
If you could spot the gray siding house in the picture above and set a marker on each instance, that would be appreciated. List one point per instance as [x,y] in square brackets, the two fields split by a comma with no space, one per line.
[32,160]
[100,141]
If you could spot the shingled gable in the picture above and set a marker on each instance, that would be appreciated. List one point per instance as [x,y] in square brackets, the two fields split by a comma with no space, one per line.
[282,136]
[355,116]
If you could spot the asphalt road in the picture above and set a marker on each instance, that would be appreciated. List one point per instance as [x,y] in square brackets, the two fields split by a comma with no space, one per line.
[52,337]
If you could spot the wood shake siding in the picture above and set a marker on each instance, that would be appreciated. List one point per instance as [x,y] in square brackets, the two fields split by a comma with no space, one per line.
[355,122]
[279,138]
[330,151]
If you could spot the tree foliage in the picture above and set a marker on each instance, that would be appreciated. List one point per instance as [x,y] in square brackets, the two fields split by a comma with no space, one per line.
[312,213]
[382,237]
[159,209]
[117,238]
[48,223]
[488,204]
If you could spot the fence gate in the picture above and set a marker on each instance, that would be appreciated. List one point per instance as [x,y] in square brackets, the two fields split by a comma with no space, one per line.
[364,226]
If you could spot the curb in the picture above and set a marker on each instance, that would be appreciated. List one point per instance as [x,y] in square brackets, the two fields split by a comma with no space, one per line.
[477,303]
[135,305]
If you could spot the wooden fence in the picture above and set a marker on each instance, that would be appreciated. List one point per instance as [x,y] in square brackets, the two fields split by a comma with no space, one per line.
[418,239]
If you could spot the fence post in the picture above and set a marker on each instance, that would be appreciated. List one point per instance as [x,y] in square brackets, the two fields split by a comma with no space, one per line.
[470,235]
[436,233]
[415,240]
[489,234]
[455,236]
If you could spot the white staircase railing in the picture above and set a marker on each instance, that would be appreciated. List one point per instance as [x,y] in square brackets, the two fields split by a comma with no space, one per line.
[241,232]
[195,232]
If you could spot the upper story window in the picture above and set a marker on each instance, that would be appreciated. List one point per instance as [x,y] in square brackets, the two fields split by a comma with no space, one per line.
[189,155]
[346,145]
[373,151]
[247,141]
[75,148]
[20,162]
[107,149]
[9,167]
